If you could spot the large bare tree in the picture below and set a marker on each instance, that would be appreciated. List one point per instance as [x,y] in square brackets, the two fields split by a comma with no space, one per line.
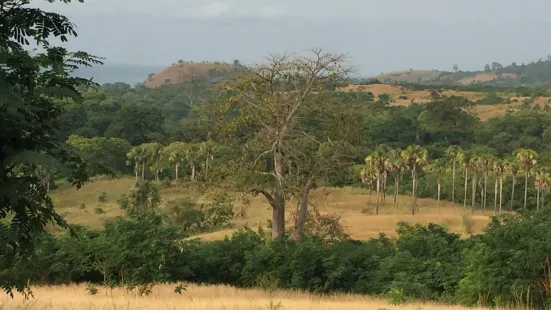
[262,111]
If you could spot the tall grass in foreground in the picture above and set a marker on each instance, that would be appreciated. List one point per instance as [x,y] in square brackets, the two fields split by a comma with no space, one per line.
[164,297]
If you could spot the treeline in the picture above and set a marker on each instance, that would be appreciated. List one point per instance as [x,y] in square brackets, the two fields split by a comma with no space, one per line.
[506,266]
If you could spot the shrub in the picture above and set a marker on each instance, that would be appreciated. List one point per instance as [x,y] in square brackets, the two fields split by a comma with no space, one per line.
[102,197]
[144,197]
[99,210]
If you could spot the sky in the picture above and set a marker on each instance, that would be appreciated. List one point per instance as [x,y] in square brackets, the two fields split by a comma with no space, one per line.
[377,35]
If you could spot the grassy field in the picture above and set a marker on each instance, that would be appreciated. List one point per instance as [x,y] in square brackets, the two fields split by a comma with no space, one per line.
[196,298]
[83,207]
[483,112]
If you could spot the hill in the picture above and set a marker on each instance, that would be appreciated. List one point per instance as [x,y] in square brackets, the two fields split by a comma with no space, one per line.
[352,204]
[532,74]
[181,71]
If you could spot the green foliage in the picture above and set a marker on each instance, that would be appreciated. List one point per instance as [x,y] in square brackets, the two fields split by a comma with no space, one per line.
[34,85]
[91,289]
[508,261]
[193,218]
[144,197]
[102,197]
[396,296]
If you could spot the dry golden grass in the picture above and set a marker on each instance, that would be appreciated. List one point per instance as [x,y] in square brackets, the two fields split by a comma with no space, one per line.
[197,298]
[409,75]
[350,203]
[483,112]
[485,77]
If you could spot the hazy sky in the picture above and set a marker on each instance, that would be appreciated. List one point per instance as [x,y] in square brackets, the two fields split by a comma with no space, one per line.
[378,35]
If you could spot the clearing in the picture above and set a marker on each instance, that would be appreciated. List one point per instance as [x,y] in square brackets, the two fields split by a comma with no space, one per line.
[83,207]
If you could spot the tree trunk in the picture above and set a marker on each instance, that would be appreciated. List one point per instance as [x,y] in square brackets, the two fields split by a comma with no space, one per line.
[136,168]
[177,166]
[438,204]
[453,180]
[495,197]
[538,200]
[466,185]
[414,176]
[385,176]
[500,192]
[525,186]
[278,212]
[302,211]
[193,173]
[378,193]
[48,183]
[543,199]
[485,197]
[397,186]
[473,198]
[206,168]
[513,191]
[143,171]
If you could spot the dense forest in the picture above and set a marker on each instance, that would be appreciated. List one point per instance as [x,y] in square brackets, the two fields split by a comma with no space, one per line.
[278,130]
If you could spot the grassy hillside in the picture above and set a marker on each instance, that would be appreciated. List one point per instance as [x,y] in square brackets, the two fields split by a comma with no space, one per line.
[400,96]
[83,207]
[202,297]
[532,74]
[178,72]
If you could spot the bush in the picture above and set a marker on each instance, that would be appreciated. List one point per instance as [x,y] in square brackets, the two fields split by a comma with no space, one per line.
[102,197]
[144,197]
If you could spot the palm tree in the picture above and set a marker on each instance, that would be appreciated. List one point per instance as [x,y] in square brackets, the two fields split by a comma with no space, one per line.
[415,158]
[438,166]
[452,155]
[465,158]
[137,155]
[500,168]
[207,149]
[377,159]
[475,166]
[512,166]
[395,164]
[527,158]
[176,154]
[368,178]
[153,151]
[486,162]
[192,155]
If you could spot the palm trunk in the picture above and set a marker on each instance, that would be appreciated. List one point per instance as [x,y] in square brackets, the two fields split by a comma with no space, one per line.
[485,197]
[438,204]
[177,166]
[397,190]
[385,176]
[466,186]
[513,191]
[207,168]
[525,186]
[495,197]
[414,176]
[136,168]
[143,171]
[378,193]
[453,180]
[473,198]
[538,200]
[500,192]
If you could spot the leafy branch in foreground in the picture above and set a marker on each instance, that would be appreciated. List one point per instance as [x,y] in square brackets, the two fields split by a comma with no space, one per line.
[32,86]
